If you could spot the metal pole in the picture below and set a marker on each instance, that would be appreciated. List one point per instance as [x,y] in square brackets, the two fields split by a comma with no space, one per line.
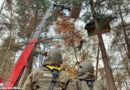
[39,29]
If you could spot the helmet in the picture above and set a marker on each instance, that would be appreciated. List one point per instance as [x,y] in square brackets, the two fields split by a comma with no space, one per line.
[86,67]
[54,58]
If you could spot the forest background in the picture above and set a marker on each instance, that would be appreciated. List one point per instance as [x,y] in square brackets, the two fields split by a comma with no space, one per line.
[19,18]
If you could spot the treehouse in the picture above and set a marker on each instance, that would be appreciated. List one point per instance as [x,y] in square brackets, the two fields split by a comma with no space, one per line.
[104,22]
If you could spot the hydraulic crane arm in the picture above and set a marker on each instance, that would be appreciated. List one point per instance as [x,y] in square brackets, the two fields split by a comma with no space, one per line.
[23,60]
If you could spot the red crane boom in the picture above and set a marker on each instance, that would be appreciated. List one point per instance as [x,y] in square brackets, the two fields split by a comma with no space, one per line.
[25,56]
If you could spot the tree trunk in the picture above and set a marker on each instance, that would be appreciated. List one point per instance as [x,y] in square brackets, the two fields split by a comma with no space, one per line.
[124,61]
[109,76]
[122,43]
[7,65]
[97,62]
[7,56]
[124,29]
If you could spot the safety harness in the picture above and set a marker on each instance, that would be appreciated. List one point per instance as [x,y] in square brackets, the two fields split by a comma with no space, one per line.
[55,72]
[52,68]
[90,84]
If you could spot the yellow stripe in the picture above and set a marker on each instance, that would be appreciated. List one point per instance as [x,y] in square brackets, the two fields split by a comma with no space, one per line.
[51,67]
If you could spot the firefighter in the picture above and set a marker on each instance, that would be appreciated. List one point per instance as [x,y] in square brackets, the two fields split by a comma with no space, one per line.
[50,76]
[85,79]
